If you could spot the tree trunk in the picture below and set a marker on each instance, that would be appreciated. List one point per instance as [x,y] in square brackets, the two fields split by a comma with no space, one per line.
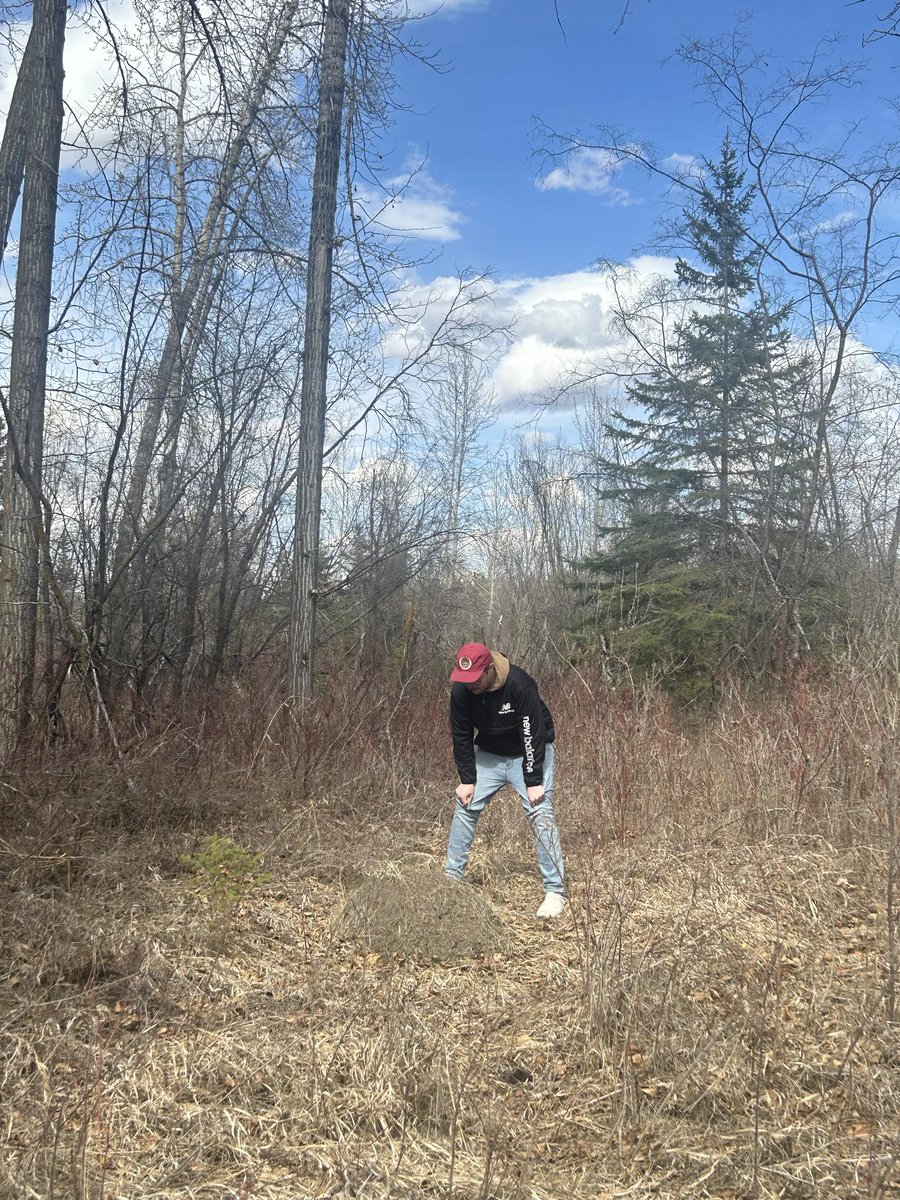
[15,135]
[21,522]
[304,593]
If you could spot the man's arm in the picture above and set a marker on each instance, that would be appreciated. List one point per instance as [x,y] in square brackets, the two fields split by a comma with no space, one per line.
[463,729]
[533,736]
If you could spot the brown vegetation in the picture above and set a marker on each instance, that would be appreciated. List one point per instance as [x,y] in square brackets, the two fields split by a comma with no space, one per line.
[409,909]
[714,1017]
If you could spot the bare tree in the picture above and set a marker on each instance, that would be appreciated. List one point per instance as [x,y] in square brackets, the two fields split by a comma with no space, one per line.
[464,411]
[177,345]
[304,586]
[195,280]
[39,120]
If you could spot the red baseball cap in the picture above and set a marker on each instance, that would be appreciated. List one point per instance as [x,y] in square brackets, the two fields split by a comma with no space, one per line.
[472,660]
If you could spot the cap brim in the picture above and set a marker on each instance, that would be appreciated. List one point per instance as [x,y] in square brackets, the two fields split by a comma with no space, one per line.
[458,676]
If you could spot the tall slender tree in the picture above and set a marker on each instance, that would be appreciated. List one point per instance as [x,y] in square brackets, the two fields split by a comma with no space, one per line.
[38,121]
[304,584]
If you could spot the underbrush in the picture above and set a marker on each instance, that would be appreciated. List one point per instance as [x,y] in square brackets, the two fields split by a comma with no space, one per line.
[714,1017]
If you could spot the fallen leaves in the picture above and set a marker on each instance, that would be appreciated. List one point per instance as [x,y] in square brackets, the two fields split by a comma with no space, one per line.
[628,1057]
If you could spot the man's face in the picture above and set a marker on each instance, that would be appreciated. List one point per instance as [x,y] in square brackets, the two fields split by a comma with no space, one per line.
[483,682]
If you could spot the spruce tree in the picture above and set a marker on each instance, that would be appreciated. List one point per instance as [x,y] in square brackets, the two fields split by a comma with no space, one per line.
[708,460]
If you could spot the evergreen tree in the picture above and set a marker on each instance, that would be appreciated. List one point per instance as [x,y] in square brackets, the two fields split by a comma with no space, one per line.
[708,464]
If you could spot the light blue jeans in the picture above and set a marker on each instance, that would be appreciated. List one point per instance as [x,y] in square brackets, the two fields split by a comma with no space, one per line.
[493,773]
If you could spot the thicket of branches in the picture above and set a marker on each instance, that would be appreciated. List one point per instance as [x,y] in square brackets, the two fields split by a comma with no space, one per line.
[726,499]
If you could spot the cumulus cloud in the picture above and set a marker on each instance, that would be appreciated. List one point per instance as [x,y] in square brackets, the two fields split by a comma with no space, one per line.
[564,335]
[560,325]
[588,169]
[563,328]
[413,205]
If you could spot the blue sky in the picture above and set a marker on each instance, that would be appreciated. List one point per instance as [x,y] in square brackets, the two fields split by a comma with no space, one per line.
[472,128]
[508,63]
[470,131]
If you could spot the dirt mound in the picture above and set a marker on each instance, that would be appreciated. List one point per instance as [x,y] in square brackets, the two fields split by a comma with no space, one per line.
[410,909]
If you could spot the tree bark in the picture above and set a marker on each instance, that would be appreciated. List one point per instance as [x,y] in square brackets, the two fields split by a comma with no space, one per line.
[20,533]
[15,136]
[304,594]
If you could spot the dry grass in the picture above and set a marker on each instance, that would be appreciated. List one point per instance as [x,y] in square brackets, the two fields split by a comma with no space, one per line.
[709,1020]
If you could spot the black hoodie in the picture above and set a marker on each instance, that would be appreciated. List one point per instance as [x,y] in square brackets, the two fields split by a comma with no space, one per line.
[512,722]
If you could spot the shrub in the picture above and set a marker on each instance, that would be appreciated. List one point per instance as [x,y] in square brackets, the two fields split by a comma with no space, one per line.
[226,871]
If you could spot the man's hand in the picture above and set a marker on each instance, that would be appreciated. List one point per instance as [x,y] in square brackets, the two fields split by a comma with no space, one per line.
[465,792]
[536,794]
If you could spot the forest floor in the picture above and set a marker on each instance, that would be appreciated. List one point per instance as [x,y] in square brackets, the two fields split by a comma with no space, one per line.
[707,1020]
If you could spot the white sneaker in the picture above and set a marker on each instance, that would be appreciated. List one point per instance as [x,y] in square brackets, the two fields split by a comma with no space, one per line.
[554,905]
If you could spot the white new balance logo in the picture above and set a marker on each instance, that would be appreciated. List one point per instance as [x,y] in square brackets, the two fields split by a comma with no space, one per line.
[506,708]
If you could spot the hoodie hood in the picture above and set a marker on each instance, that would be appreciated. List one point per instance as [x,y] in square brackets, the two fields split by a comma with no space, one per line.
[501,666]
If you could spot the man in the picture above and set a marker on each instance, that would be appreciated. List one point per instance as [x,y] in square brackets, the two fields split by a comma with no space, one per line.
[502,734]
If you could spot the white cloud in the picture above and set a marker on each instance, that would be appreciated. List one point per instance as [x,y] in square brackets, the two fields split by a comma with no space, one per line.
[836,222]
[415,205]
[421,10]
[561,325]
[461,6]
[448,8]
[564,334]
[425,308]
[684,164]
[588,169]
[528,368]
